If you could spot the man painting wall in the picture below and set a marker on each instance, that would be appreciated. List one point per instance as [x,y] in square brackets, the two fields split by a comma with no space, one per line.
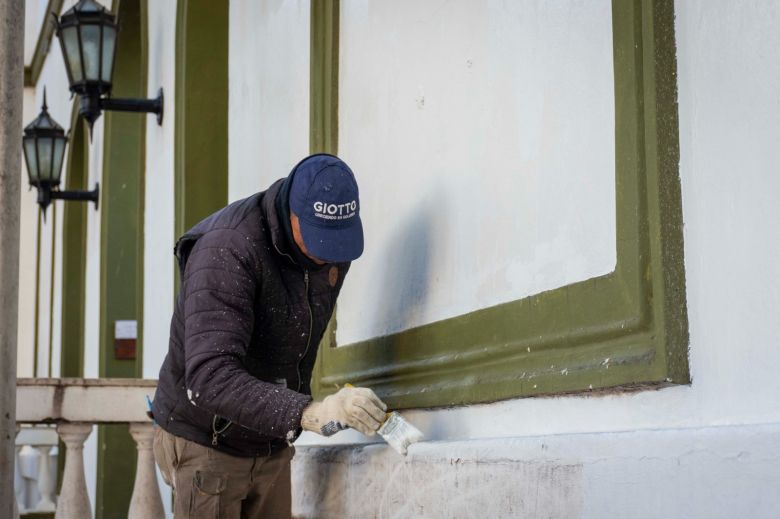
[259,282]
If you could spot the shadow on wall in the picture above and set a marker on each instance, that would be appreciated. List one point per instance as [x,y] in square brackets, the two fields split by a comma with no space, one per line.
[406,277]
[403,283]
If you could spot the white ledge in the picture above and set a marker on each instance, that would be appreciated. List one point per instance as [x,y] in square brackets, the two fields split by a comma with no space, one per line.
[105,400]
[36,436]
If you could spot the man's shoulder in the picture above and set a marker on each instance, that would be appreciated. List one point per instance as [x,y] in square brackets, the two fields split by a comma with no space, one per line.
[239,226]
[240,215]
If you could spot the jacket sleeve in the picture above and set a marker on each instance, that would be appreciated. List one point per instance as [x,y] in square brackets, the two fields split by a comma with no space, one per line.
[218,292]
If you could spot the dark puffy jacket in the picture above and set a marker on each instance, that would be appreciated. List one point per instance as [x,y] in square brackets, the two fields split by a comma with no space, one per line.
[244,333]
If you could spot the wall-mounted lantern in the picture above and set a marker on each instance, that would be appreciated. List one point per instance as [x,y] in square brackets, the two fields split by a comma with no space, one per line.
[87,34]
[44,148]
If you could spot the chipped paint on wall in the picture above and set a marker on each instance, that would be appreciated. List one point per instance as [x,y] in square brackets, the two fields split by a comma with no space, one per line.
[374,481]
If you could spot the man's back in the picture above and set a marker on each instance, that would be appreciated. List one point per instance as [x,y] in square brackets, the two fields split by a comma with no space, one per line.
[251,319]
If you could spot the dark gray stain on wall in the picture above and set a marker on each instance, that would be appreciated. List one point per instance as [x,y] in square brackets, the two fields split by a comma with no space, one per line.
[374,481]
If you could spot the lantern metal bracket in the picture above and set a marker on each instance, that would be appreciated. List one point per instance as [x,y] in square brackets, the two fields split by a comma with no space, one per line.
[46,195]
[92,105]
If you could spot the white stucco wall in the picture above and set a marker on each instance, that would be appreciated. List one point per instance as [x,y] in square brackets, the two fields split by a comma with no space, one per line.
[723,472]
[482,136]
[56,302]
[33,18]
[159,237]
[44,298]
[268,93]
[728,153]
[32,26]
[699,451]
[53,80]
[159,265]
[28,238]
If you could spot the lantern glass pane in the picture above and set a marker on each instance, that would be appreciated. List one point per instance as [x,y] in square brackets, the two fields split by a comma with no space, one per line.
[109,44]
[45,147]
[32,160]
[70,39]
[59,153]
[90,46]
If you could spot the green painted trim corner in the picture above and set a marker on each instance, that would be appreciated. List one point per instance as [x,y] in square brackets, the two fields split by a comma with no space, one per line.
[627,329]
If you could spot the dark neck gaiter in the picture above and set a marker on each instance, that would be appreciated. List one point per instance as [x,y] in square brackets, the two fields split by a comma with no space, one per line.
[283,211]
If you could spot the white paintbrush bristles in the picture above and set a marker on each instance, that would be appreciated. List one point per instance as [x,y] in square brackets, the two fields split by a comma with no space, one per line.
[398,433]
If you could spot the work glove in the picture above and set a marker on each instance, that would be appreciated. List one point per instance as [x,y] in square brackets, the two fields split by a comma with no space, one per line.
[356,407]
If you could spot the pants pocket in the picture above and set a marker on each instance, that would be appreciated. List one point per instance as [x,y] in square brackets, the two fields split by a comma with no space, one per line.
[205,499]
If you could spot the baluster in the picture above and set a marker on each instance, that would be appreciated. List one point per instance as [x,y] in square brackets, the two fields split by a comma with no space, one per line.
[28,469]
[45,481]
[146,502]
[18,480]
[74,500]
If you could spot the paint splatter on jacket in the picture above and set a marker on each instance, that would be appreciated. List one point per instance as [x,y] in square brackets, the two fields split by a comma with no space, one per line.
[245,330]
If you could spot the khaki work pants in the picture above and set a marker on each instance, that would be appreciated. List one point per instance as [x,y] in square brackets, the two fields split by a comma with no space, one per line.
[211,484]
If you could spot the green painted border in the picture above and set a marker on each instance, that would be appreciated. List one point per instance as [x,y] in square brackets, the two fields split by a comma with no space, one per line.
[324,77]
[43,44]
[625,329]
[121,242]
[74,253]
[201,112]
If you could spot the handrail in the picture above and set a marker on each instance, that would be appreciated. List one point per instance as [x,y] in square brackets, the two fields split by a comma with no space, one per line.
[75,405]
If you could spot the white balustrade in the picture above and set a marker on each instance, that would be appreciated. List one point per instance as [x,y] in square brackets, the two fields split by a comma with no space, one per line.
[18,480]
[76,405]
[35,469]
[146,502]
[46,480]
[74,500]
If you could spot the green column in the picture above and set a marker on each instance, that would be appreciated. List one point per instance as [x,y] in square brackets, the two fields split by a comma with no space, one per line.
[74,254]
[121,256]
[324,77]
[201,119]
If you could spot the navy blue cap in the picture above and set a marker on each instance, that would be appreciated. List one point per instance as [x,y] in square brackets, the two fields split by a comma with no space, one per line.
[324,196]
